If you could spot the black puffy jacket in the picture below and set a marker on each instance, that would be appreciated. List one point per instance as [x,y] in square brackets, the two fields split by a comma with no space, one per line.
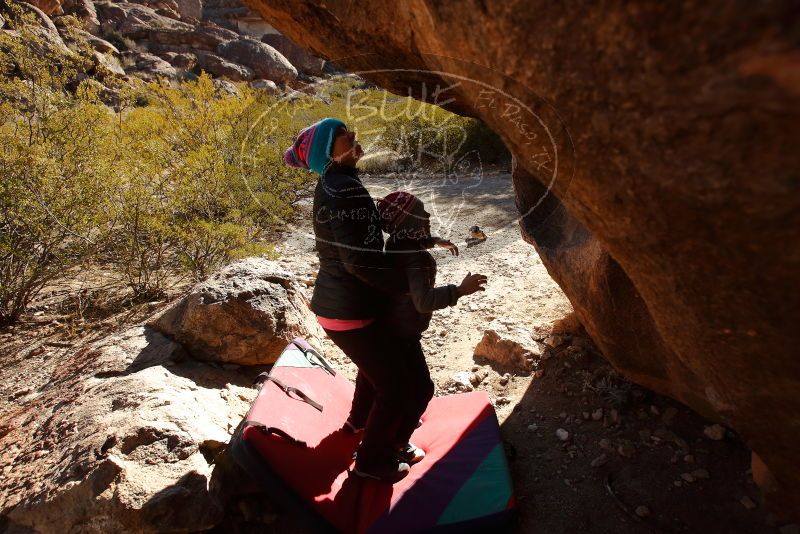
[409,313]
[355,278]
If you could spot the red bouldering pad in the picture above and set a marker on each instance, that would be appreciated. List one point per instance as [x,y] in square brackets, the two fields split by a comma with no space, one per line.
[294,432]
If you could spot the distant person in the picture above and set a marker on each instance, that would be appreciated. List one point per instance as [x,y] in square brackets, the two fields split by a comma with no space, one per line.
[404,218]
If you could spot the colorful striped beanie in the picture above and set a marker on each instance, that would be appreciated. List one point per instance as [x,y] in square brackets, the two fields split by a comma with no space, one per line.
[312,147]
[394,208]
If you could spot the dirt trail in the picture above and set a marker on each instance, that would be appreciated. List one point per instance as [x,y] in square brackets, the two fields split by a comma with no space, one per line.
[627,449]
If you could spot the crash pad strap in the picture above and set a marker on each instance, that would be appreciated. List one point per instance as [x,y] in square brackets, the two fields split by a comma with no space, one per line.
[276,431]
[288,389]
[322,361]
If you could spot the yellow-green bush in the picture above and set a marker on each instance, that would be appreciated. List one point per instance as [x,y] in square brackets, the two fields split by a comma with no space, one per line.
[401,131]
[56,172]
[178,178]
[196,188]
[179,184]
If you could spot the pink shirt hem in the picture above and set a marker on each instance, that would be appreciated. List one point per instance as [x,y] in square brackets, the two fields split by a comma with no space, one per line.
[342,325]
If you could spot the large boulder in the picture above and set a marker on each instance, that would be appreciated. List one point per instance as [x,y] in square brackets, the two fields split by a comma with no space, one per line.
[166,8]
[654,167]
[124,438]
[180,60]
[205,36]
[265,61]
[219,67]
[45,30]
[49,7]
[106,65]
[100,45]
[85,12]
[267,86]
[190,10]
[244,314]
[302,60]
[148,66]
[138,22]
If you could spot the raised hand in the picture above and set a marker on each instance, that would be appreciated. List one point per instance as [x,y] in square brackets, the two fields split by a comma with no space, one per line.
[472,283]
[447,245]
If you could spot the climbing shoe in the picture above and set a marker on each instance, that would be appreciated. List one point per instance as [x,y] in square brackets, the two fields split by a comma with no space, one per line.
[410,454]
[390,472]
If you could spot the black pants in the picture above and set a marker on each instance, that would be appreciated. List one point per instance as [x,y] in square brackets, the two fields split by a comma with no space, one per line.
[393,388]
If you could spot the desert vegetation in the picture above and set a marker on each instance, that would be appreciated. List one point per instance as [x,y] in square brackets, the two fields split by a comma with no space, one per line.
[174,178]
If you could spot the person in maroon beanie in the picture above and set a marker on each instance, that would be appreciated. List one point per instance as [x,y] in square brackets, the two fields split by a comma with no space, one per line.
[404,218]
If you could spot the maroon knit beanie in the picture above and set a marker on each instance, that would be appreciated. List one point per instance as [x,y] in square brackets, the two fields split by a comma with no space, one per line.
[394,208]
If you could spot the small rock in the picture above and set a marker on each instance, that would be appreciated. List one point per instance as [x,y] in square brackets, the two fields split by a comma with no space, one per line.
[654,409]
[504,379]
[562,434]
[509,347]
[687,477]
[677,483]
[642,511]
[265,85]
[689,458]
[665,435]
[597,414]
[605,444]
[600,460]
[701,474]
[626,449]
[748,503]
[533,427]
[554,341]
[668,415]
[461,381]
[539,373]
[715,432]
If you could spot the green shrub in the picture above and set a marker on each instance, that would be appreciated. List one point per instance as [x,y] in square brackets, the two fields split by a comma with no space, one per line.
[180,178]
[191,187]
[173,182]
[56,170]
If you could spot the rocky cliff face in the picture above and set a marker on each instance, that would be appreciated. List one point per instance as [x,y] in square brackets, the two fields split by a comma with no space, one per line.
[169,39]
[665,200]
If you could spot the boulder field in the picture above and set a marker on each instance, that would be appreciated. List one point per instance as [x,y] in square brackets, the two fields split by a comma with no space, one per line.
[130,432]
[654,172]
